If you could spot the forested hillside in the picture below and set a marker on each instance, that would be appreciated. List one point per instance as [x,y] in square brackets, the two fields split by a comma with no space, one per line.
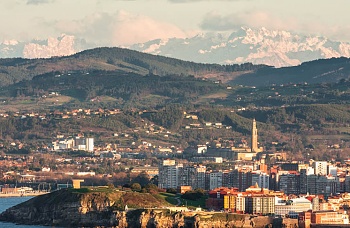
[127,61]
[120,89]
[153,94]
[112,59]
[318,71]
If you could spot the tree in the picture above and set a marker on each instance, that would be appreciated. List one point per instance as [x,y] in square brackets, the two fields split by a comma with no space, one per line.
[143,178]
[136,187]
[171,190]
[151,188]
[193,195]
[110,185]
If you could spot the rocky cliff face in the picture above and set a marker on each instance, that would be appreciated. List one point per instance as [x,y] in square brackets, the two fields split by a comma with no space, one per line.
[152,218]
[63,208]
[95,209]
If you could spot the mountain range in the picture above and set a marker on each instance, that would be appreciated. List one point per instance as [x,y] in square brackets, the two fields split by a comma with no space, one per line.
[257,46]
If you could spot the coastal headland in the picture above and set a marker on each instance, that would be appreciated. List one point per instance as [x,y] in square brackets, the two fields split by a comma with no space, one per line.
[110,208]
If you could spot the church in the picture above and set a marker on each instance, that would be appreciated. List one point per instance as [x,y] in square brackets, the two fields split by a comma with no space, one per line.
[249,153]
[244,153]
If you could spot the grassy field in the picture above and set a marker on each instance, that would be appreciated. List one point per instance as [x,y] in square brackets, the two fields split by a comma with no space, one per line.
[93,189]
[172,199]
[194,203]
[209,97]
[32,104]
[106,99]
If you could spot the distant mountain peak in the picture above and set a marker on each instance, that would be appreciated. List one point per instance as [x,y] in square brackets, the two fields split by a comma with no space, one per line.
[277,48]
[10,42]
[53,46]
[62,46]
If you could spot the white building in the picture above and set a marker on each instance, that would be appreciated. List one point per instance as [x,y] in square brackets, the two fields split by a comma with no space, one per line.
[320,167]
[332,170]
[77,143]
[169,174]
[202,149]
[91,173]
[86,144]
[291,208]
[310,171]
[65,144]
[240,202]
[89,144]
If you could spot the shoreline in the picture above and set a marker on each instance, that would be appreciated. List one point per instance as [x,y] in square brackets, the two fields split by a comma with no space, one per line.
[6,195]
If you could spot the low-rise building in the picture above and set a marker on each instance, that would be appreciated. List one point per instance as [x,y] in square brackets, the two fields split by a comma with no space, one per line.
[313,218]
[291,208]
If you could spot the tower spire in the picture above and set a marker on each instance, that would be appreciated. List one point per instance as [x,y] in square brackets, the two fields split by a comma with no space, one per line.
[254,143]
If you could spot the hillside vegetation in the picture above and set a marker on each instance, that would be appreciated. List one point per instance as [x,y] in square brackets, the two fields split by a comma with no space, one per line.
[318,71]
[116,77]
[111,59]
[123,89]
[302,106]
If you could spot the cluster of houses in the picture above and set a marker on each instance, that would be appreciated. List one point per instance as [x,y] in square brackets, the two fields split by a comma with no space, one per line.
[73,143]
[308,209]
[316,177]
[283,189]
[63,114]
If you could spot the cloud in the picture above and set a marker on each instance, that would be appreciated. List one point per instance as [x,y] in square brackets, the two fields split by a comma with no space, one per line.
[38,2]
[214,21]
[131,29]
[118,29]
[217,22]
[186,1]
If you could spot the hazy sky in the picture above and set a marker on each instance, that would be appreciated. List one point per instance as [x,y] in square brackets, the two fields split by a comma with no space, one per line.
[123,22]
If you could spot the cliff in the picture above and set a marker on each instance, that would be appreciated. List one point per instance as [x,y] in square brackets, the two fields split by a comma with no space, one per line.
[67,208]
[73,208]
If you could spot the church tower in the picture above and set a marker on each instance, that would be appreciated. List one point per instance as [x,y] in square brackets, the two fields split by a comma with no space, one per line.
[254,146]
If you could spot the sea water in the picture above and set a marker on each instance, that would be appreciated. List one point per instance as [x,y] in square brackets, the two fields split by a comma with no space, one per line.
[9,202]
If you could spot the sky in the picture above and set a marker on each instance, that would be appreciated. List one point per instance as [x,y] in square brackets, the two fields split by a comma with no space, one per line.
[126,22]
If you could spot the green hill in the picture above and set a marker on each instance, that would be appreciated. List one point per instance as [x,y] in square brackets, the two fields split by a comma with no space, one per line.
[115,87]
[127,61]
[318,71]
[114,60]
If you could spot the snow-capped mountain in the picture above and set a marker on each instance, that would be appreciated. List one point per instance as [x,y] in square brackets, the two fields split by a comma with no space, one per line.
[262,46]
[11,48]
[61,46]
